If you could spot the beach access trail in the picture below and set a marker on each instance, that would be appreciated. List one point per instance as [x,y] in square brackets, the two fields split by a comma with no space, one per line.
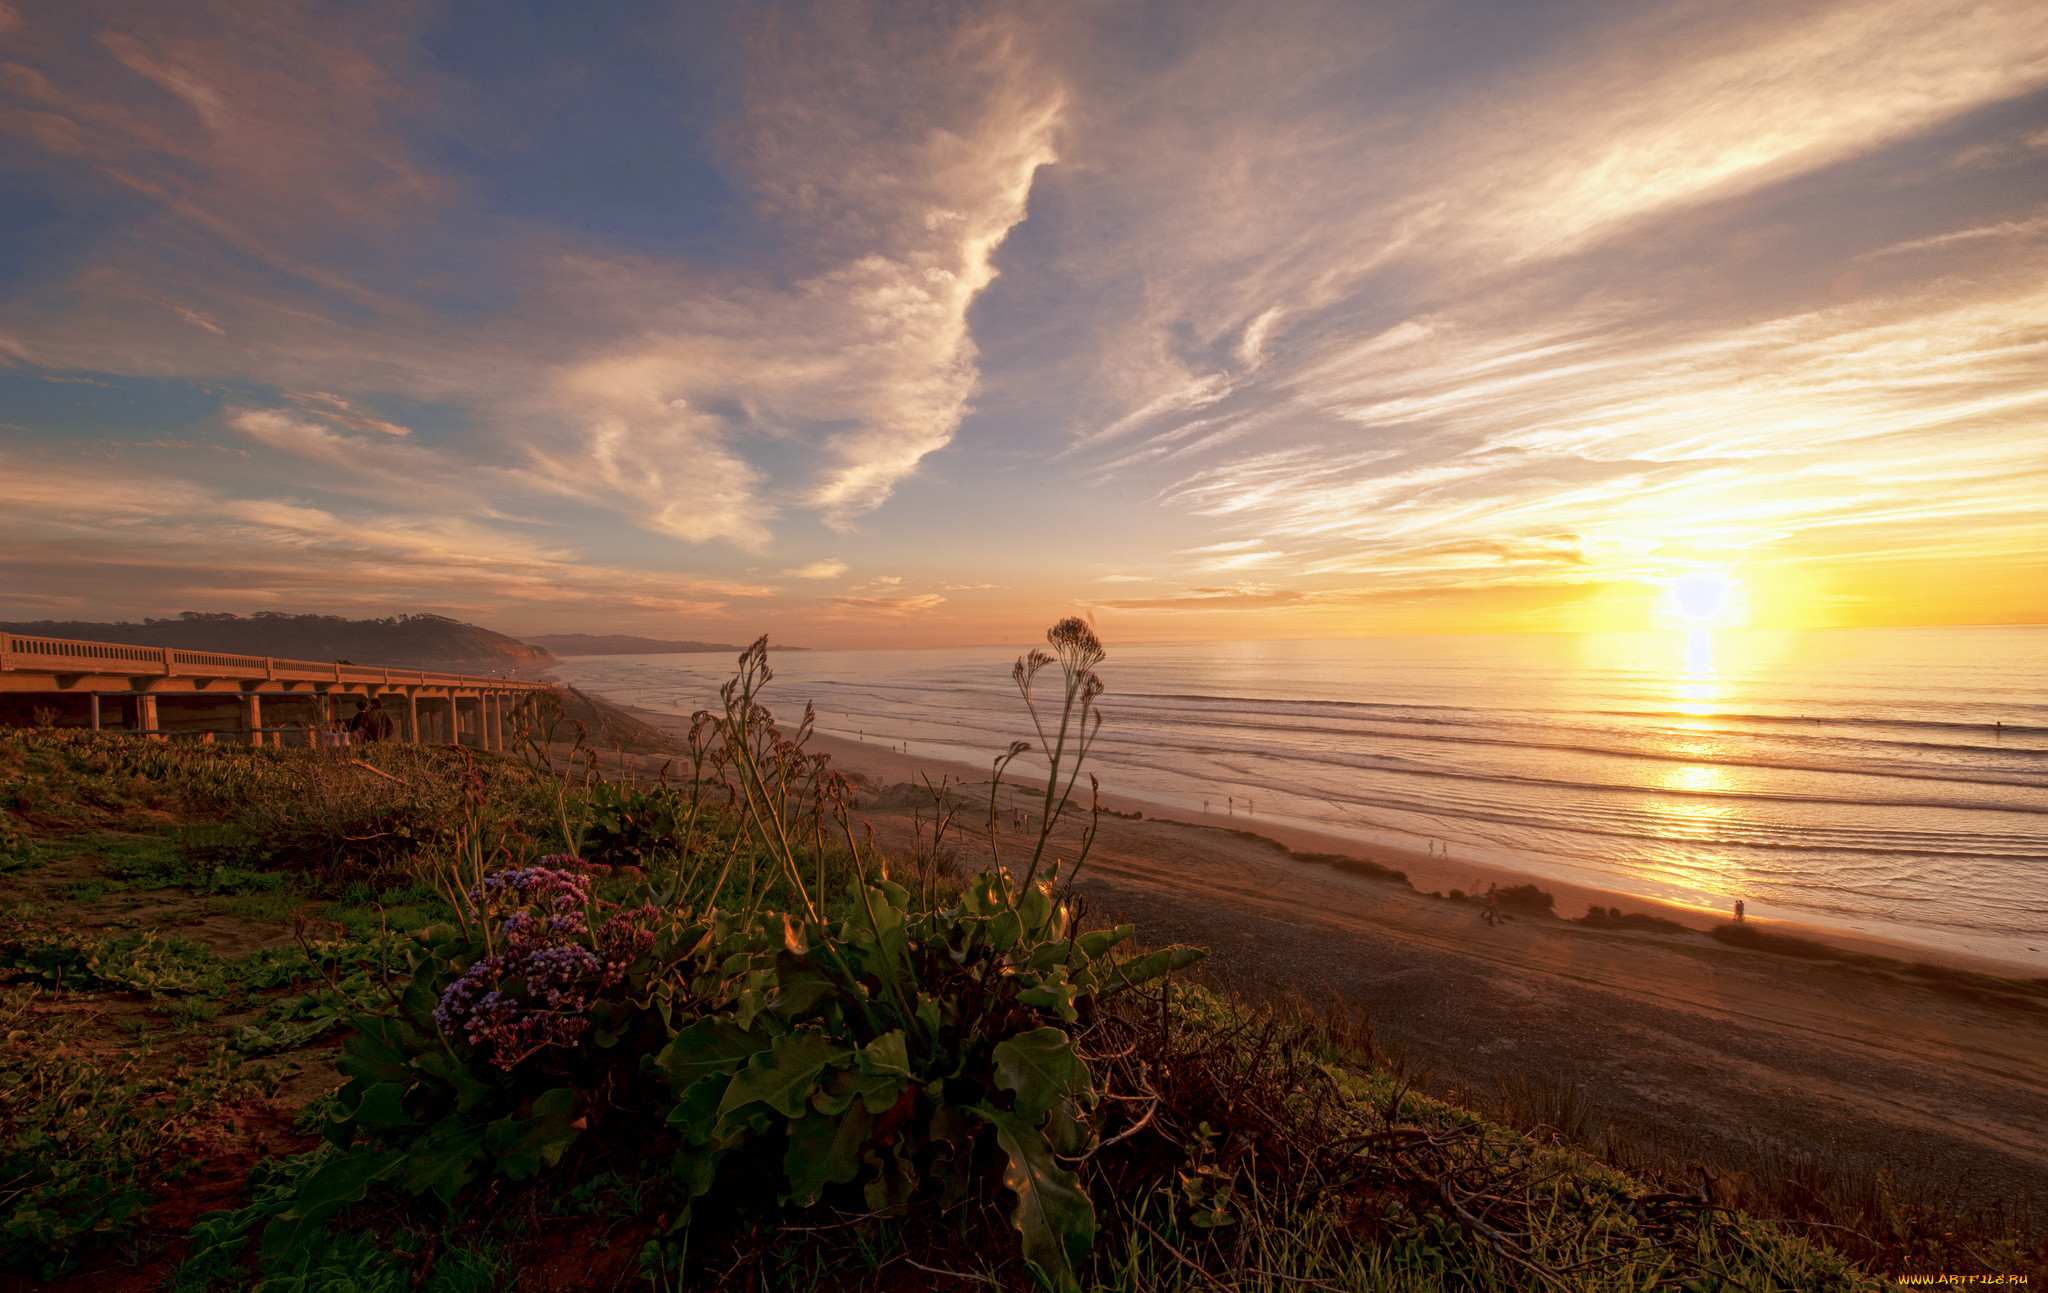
[1734,1057]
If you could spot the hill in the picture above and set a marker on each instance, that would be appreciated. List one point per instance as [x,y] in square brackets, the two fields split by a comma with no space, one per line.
[621,644]
[412,641]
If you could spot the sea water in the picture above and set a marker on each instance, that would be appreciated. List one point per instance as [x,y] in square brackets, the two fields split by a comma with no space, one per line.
[1890,781]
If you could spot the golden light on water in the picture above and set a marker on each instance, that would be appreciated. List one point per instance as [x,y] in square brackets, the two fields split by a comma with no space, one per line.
[1695,812]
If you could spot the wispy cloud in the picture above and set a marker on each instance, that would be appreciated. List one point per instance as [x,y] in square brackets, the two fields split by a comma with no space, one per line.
[828,569]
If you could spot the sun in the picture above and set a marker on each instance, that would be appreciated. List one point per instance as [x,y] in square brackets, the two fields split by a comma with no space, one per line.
[1703,599]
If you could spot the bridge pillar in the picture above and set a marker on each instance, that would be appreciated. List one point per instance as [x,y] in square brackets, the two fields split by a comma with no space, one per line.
[252,718]
[412,717]
[145,715]
[94,697]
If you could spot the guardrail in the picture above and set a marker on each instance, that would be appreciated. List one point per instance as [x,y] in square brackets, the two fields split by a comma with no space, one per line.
[20,653]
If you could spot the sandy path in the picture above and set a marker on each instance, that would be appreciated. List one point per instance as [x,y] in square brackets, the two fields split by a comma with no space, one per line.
[1675,1039]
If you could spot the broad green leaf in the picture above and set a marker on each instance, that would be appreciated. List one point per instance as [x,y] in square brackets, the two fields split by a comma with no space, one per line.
[895,1180]
[1098,941]
[1142,969]
[695,1114]
[1004,929]
[375,1052]
[1041,1067]
[1067,1130]
[469,1090]
[381,1110]
[886,1054]
[696,1167]
[824,1150]
[711,1045]
[839,1088]
[896,895]
[441,1160]
[421,997]
[980,898]
[523,1147]
[1054,952]
[1053,1213]
[783,1078]
[747,1005]
[333,1186]
[1034,906]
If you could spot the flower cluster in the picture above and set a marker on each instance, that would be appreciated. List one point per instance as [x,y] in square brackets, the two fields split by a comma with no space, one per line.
[537,990]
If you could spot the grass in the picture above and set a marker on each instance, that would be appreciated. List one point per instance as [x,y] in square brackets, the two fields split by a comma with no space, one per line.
[1247,1145]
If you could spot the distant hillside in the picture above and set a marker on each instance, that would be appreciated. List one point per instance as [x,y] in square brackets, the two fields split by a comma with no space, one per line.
[410,641]
[620,644]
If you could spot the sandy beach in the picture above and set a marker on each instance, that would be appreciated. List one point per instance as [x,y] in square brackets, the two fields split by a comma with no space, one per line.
[1735,1056]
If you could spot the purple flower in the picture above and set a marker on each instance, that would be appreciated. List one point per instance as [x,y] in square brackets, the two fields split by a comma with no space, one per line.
[537,992]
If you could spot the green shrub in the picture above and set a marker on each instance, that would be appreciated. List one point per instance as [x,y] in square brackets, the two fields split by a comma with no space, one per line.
[886,1044]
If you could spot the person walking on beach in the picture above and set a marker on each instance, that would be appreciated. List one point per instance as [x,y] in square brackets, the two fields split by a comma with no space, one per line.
[1492,913]
[1738,911]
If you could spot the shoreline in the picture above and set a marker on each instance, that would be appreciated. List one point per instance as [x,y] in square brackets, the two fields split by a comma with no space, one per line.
[1426,872]
[1936,1077]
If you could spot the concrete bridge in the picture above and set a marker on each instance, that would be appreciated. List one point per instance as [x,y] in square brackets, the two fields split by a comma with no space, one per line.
[255,699]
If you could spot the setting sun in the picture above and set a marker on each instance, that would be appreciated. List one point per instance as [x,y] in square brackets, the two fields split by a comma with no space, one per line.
[1702,599]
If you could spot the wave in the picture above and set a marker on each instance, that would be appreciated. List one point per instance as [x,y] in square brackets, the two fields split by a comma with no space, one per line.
[1841,720]
[1948,776]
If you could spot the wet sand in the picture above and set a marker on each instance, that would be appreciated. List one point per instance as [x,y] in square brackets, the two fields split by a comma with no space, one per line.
[1679,1040]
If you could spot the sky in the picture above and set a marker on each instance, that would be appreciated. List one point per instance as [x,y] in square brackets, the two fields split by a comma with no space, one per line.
[919,323]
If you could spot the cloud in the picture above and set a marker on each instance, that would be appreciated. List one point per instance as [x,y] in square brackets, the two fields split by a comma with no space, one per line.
[198,320]
[685,381]
[337,410]
[870,358]
[828,569]
[2004,230]
[906,605]
[1211,599]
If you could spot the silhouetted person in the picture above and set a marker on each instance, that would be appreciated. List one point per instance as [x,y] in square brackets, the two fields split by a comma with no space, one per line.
[1493,904]
[1738,911]
[381,726]
[362,726]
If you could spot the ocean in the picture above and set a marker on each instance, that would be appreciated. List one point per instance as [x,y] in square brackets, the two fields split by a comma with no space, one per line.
[1887,781]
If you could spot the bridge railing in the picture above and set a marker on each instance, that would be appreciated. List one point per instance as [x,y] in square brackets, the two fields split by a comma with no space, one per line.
[21,653]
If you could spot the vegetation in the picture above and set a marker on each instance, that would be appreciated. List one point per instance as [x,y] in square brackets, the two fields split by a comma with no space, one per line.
[452,1021]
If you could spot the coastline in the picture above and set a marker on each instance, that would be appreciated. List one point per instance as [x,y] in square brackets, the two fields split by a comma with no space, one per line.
[1867,1066]
[1427,873]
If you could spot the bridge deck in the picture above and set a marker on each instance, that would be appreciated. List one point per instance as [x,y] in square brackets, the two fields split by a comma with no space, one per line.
[56,676]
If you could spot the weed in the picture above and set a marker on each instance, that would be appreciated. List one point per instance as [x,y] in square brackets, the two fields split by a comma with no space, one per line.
[87,892]
[82,1130]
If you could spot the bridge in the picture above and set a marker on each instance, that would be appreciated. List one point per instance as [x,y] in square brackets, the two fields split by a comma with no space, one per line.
[259,700]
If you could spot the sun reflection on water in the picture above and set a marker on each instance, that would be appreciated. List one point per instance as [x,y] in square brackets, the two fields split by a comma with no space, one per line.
[1695,812]
[1698,692]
